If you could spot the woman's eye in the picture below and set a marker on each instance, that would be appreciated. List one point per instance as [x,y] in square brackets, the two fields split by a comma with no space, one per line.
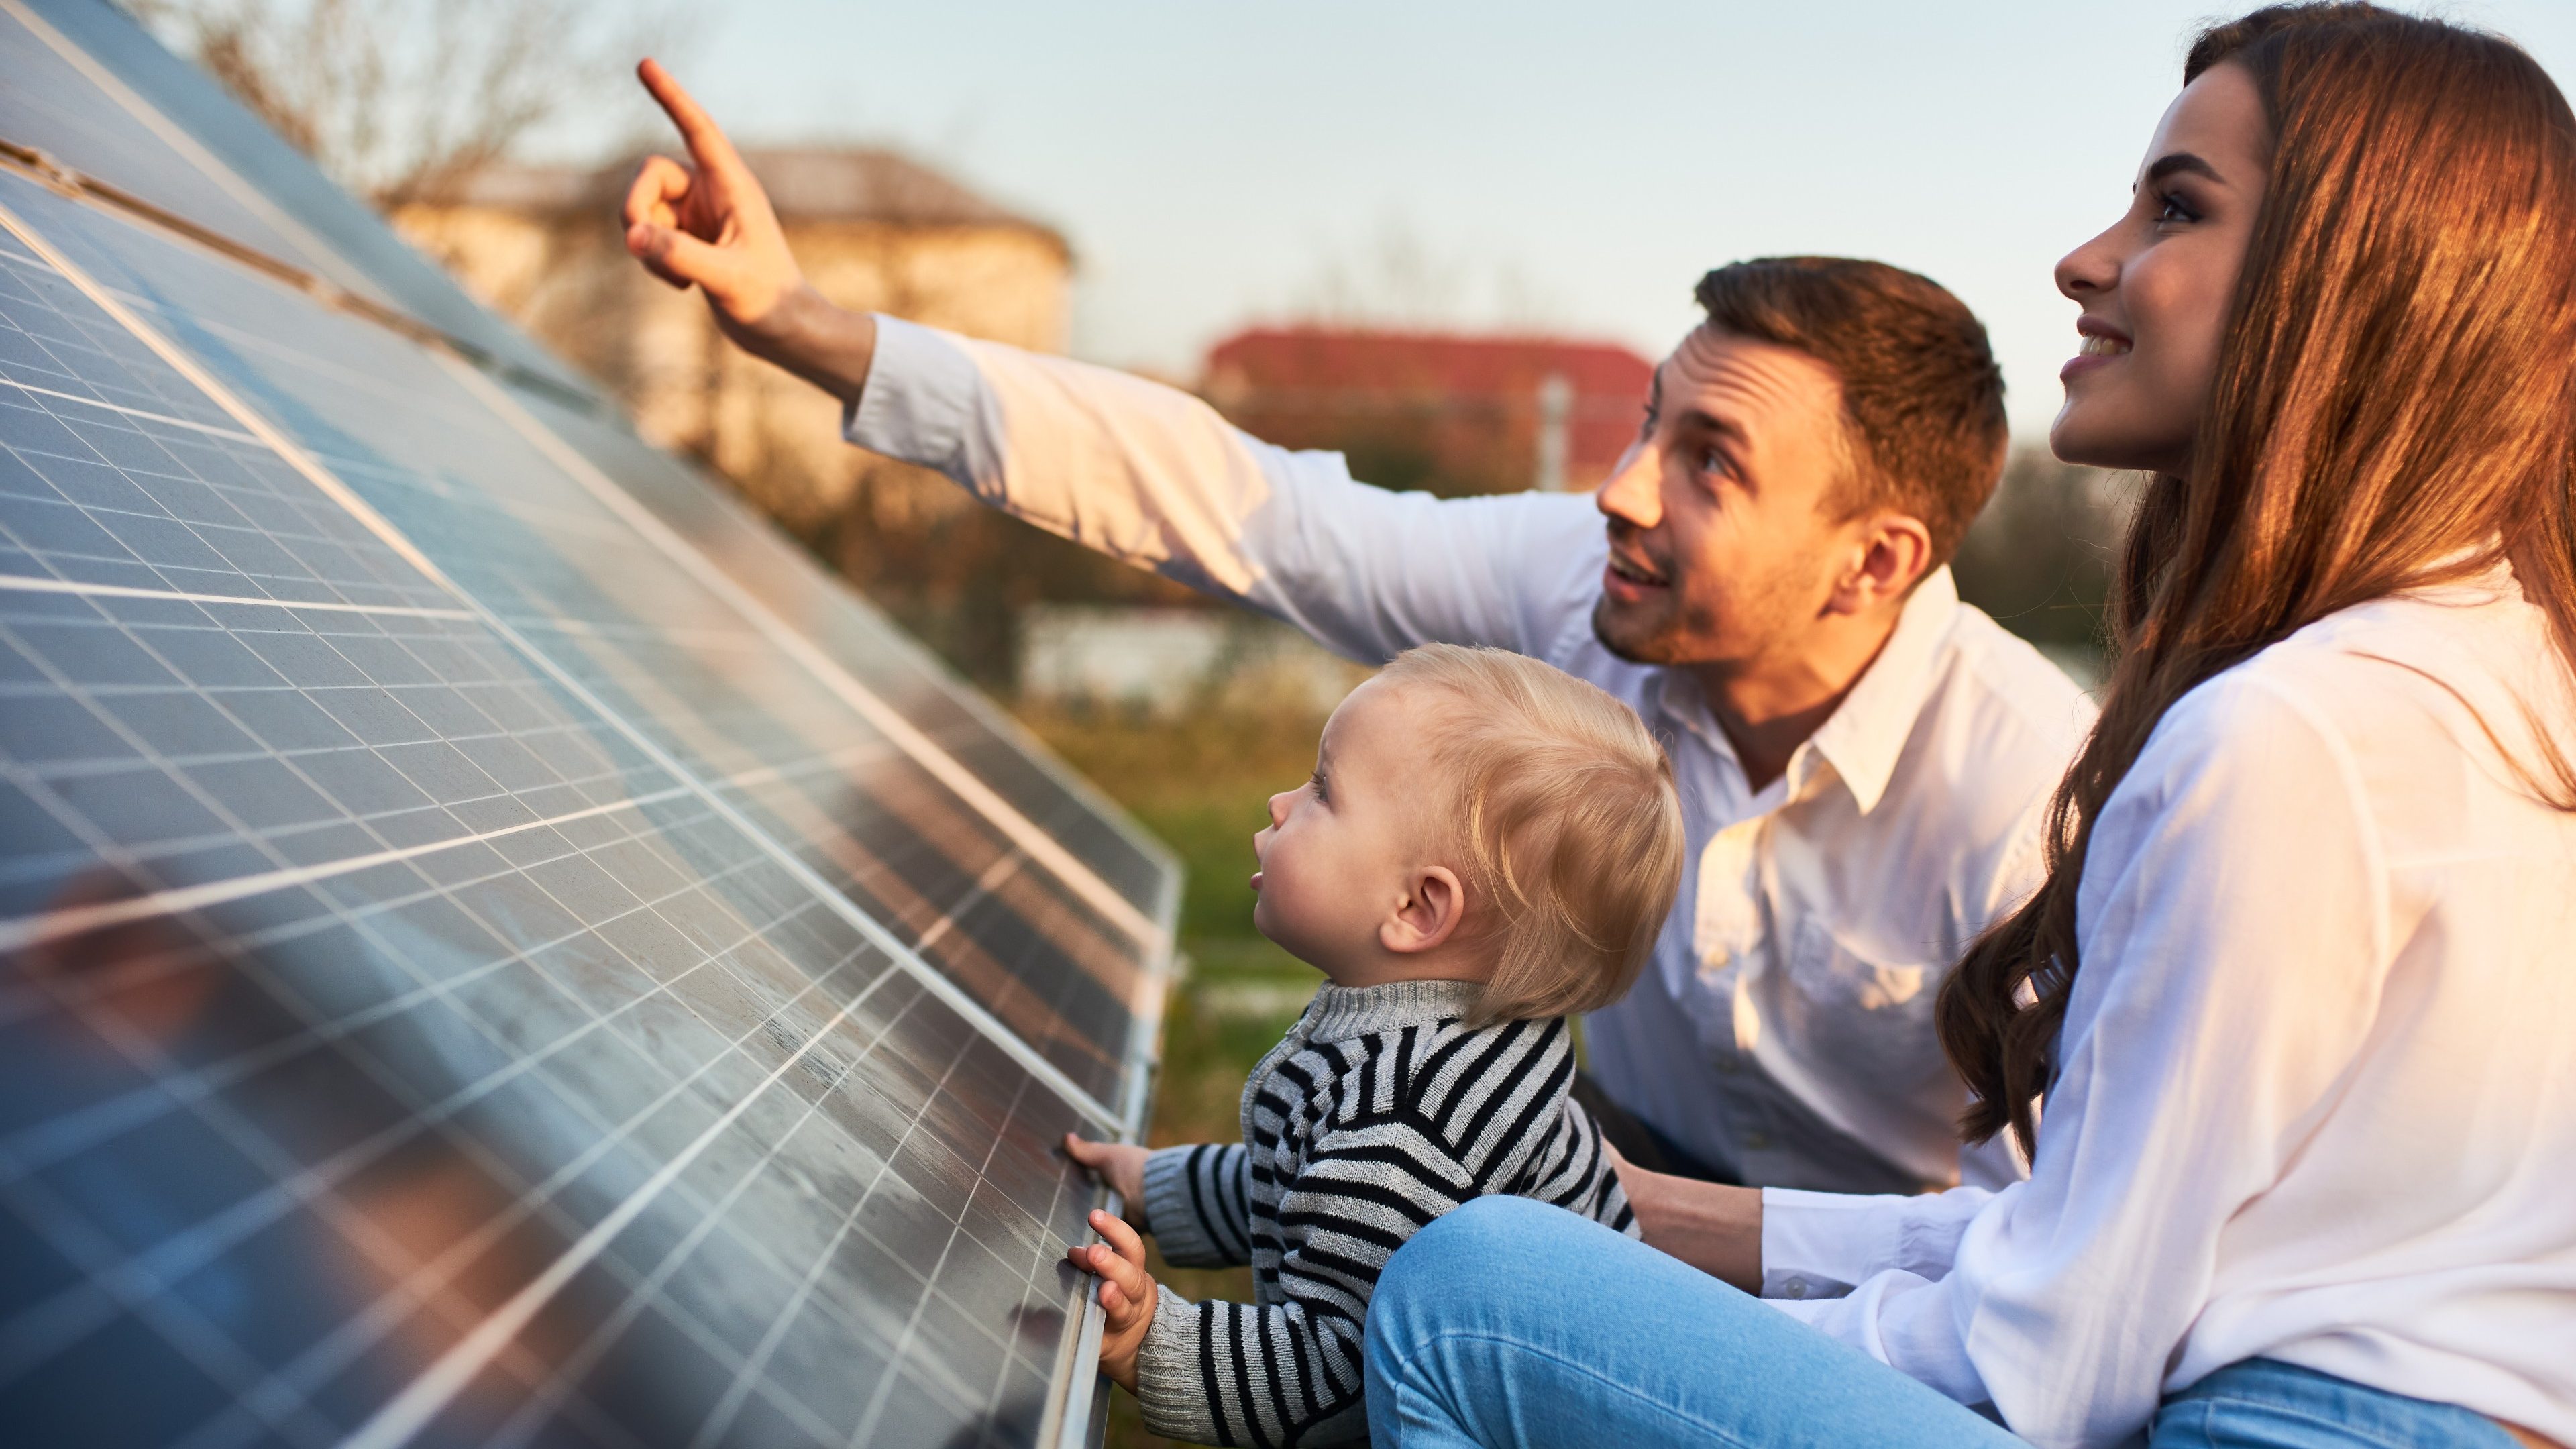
[2175,209]
[1315,782]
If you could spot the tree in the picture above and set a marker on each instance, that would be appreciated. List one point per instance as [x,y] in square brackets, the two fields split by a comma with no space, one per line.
[401,99]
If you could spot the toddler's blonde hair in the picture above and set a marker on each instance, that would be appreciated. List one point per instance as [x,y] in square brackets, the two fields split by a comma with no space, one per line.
[1568,826]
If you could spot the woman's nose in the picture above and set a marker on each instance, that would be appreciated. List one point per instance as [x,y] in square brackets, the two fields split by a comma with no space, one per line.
[1279,804]
[2089,270]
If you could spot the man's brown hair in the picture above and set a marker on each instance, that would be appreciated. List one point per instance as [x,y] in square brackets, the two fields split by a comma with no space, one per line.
[1922,397]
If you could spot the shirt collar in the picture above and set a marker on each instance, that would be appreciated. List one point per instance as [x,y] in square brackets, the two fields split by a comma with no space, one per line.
[1865,734]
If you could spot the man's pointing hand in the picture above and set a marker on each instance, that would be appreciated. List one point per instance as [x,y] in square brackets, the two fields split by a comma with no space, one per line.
[709,225]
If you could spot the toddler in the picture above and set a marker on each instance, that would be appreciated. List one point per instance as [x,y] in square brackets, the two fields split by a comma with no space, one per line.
[1486,845]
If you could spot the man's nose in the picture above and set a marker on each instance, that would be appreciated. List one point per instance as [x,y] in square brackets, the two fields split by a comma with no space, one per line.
[1633,492]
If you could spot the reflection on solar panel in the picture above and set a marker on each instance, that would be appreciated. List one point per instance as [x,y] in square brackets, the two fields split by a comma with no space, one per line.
[494,948]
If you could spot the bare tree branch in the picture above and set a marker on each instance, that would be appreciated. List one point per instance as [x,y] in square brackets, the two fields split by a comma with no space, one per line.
[401,99]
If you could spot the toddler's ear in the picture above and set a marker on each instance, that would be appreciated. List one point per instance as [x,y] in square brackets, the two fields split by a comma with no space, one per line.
[1428,912]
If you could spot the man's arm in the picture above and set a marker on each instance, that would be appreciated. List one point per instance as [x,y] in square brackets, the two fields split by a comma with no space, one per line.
[1143,472]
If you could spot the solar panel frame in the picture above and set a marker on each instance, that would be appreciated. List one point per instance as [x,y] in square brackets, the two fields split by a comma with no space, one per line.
[962,722]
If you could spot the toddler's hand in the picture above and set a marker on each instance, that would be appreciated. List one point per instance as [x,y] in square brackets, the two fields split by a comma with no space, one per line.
[1120,1166]
[1127,1293]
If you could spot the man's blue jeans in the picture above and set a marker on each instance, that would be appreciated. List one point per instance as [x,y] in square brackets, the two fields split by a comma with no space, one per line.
[1511,1323]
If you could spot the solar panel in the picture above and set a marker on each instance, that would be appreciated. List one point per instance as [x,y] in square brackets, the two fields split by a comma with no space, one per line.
[497,948]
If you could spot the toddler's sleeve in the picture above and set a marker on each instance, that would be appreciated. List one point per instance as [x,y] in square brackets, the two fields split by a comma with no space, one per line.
[1572,1170]
[1198,1204]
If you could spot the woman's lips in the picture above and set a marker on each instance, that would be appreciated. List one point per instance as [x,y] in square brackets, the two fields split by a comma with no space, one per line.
[2103,345]
[1256,880]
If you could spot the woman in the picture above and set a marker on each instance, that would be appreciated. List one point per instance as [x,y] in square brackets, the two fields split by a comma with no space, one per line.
[2297,993]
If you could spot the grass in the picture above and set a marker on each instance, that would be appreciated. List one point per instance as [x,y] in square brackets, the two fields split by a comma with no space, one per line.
[1202,783]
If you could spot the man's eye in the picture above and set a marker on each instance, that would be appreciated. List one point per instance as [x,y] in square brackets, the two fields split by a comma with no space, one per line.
[1713,461]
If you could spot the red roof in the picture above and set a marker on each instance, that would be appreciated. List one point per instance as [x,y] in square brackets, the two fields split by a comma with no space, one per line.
[1426,361]
[1276,373]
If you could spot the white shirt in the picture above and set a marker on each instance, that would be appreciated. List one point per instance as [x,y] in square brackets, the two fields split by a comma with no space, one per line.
[2317,1093]
[1784,1025]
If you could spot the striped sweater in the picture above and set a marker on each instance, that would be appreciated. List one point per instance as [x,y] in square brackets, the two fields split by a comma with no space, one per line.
[1378,1112]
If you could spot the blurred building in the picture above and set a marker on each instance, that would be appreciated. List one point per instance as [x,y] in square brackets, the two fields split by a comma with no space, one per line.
[873,230]
[1451,414]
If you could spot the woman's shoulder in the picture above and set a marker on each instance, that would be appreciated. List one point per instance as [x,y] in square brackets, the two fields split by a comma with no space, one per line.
[2378,672]
[2416,699]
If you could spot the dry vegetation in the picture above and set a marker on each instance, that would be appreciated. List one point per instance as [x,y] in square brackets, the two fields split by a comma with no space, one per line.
[398,99]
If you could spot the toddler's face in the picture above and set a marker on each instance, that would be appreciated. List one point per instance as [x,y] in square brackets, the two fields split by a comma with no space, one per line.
[1336,857]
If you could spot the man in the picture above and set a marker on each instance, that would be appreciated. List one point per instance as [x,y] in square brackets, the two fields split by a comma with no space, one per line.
[1864,761]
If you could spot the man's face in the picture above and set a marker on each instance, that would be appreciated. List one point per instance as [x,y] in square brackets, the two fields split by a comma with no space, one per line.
[1721,551]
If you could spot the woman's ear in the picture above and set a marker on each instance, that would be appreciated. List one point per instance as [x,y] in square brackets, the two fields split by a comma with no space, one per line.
[1427,914]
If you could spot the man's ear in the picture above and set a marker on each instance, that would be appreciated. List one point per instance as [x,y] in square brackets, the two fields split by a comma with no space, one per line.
[1893,551]
[1427,914]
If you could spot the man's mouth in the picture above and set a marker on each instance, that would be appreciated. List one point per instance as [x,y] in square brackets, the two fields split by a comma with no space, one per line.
[1636,573]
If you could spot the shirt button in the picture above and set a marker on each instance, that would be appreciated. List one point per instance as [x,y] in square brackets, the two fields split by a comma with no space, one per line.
[1795,1288]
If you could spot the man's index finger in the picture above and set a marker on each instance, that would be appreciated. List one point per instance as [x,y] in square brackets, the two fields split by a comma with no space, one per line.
[706,140]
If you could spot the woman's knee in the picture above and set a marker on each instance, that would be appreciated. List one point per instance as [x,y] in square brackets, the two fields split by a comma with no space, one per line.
[1454,1259]
[1476,1234]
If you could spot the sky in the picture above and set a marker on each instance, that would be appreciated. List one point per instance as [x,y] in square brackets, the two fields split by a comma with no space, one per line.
[1571,168]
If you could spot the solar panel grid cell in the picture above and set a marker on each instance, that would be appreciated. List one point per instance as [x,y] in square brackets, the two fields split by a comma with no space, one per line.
[382,984]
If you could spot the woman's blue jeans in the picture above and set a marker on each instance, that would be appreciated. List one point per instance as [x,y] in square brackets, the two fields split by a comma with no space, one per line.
[1511,1323]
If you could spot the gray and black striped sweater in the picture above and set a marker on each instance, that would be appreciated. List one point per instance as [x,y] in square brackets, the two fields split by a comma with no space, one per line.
[1378,1112]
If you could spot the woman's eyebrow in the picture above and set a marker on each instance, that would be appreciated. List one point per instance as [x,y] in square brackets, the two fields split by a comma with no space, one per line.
[2179,162]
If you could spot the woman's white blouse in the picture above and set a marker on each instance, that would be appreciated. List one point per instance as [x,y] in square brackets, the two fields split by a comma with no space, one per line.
[2317,1099]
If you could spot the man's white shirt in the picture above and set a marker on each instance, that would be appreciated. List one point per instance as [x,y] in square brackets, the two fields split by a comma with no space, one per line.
[1784,1026]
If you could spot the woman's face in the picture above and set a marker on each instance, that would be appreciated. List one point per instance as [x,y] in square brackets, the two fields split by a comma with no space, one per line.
[2155,287]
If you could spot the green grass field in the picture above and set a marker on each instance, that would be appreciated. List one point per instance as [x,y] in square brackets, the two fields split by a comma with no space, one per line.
[1202,783]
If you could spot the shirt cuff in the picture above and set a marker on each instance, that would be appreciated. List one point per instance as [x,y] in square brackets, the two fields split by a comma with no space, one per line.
[1171,1385]
[1171,1216]
[1820,1244]
[921,393]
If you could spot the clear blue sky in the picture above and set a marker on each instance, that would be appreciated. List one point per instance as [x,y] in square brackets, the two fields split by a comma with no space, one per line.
[1572,166]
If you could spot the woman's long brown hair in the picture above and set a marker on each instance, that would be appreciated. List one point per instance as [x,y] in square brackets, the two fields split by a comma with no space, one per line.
[2395,407]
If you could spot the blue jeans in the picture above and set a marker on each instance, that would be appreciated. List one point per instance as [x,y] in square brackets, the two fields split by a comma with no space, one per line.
[1511,1323]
